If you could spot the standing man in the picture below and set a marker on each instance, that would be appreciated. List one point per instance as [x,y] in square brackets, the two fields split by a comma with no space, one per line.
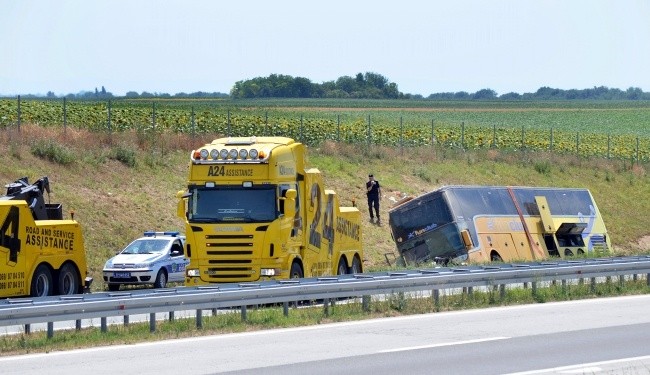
[374,194]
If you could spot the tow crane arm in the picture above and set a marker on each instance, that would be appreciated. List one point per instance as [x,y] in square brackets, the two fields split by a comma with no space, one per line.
[33,195]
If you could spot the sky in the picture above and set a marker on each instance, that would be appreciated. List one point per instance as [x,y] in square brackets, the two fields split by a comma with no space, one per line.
[425,47]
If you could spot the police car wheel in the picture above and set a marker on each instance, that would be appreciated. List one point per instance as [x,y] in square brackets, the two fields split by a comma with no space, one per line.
[113,287]
[161,280]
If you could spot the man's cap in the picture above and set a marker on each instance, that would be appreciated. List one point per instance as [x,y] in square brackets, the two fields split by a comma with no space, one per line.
[370,175]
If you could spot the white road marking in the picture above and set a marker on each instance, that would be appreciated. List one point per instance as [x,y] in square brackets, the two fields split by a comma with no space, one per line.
[442,344]
[582,368]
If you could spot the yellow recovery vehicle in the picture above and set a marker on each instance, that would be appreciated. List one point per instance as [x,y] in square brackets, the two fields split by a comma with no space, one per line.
[41,254]
[253,212]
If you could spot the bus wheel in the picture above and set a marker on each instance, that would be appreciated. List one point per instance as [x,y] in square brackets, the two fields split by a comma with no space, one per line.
[568,253]
[343,268]
[356,266]
[296,271]
[42,284]
[581,252]
[495,257]
[68,282]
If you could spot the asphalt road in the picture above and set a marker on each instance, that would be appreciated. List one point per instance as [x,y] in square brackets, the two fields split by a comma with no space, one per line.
[599,336]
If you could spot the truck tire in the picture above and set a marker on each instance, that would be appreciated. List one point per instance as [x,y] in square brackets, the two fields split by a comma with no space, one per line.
[296,271]
[42,284]
[68,282]
[343,267]
[161,280]
[356,266]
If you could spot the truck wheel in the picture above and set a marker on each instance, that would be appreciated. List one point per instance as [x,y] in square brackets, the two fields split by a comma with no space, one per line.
[356,266]
[42,284]
[68,282]
[161,280]
[113,287]
[296,271]
[343,268]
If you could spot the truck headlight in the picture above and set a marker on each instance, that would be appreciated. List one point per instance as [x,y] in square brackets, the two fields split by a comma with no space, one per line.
[193,272]
[270,272]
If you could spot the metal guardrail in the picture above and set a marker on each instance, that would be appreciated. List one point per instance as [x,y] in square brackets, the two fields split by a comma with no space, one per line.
[25,311]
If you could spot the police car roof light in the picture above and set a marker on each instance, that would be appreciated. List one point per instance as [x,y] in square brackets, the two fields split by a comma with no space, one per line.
[151,233]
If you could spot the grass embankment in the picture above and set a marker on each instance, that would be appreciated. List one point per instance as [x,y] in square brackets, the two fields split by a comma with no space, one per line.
[123,184]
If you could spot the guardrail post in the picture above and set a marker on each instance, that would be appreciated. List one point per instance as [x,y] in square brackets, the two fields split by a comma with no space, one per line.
[50,330]
[326,307]
[534,288]
[647,278]
[365,303]
[199,319]
[436,299]
[152,322]
[621,280]
[78,325]
[563,286]
[171,316]
[244,314]
[214,311]
[28,329]
[593,285]
[285,308]
[126,320]
[104,327]
[502,291]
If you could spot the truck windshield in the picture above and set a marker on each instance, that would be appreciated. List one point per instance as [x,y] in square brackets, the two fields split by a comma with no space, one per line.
[227,204]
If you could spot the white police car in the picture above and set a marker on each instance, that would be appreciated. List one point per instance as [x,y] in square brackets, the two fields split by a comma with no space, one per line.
[156,258]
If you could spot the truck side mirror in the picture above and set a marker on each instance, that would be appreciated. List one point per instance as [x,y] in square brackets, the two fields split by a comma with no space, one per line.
[180,208]
[290,202]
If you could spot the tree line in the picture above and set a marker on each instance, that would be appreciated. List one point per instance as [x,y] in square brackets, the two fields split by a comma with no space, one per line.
[363,86]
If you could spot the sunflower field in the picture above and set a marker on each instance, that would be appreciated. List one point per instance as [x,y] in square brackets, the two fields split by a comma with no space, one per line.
[607,129]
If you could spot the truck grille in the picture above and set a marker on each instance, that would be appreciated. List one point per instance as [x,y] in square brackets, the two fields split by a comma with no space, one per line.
[230,258]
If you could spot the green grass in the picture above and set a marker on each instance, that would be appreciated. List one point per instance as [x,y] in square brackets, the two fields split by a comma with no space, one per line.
[120,185]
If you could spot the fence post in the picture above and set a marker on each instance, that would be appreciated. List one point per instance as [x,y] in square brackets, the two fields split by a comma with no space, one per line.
[18,114]
[301,127]
[199,319]
[433,135]
[369,132]
[494,136]
[108,120]
[153,116]
[65,117]
[228,129]
[338,128]
[193,123]
[577,143]
[551,143]
[152,322]
[637,150]
[462,135]
[609,142]
[401,136]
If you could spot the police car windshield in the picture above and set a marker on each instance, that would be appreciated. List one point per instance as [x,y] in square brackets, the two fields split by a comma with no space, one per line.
[228,204]
[146,246]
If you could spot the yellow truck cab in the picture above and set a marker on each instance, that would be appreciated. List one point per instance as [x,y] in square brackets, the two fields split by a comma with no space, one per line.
[254,212]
